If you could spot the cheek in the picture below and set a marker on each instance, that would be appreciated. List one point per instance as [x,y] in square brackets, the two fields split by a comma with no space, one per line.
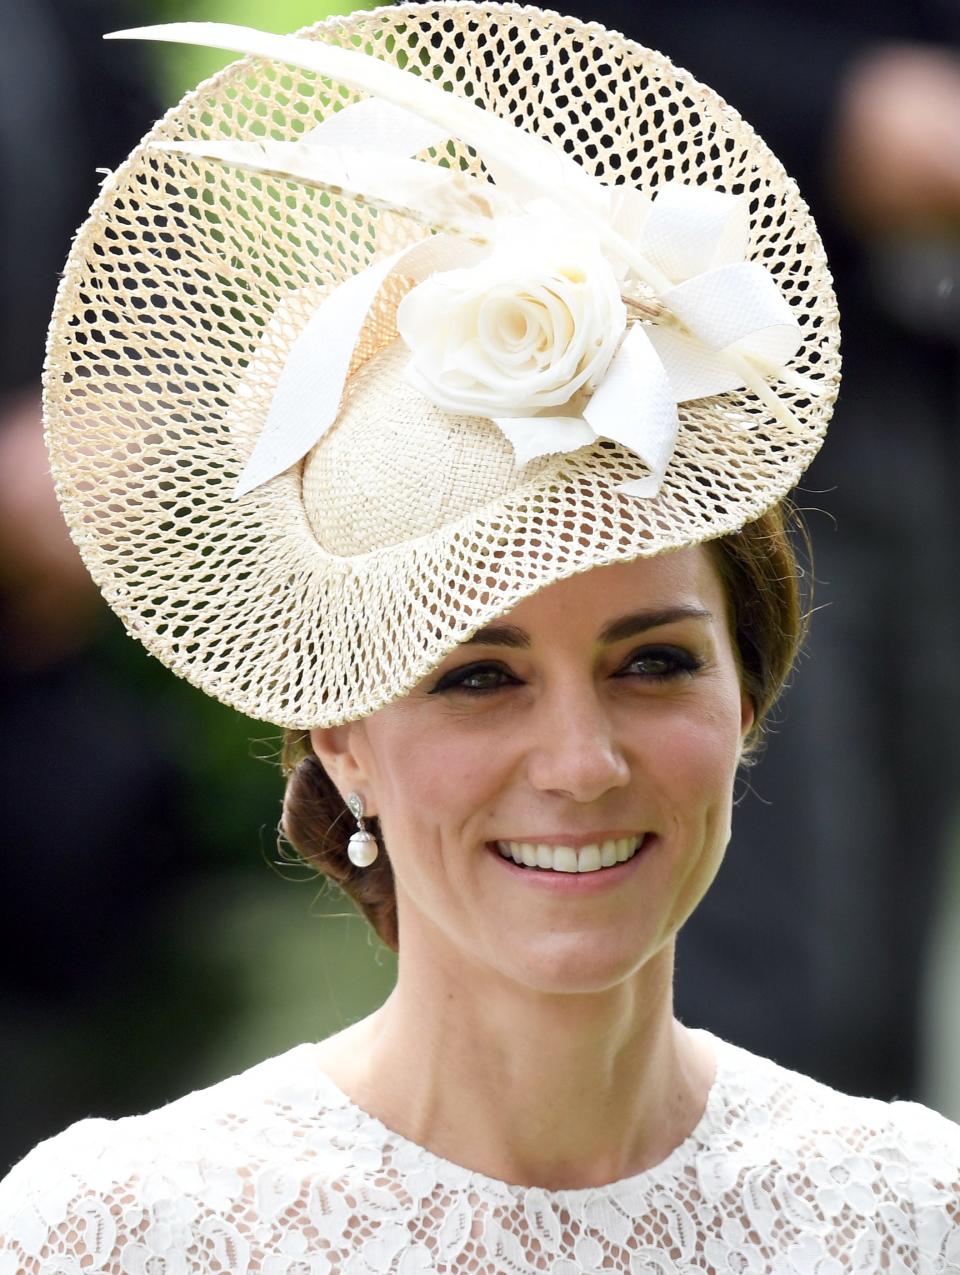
[436,779]
[697,764]
[693,757]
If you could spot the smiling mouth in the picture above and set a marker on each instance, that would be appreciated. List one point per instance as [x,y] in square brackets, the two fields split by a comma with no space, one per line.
[591,858]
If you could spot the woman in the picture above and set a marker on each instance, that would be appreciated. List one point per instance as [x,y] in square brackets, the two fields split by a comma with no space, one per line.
[409,495]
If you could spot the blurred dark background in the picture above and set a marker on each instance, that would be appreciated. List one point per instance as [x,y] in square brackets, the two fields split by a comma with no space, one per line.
[816,942]
[147,943]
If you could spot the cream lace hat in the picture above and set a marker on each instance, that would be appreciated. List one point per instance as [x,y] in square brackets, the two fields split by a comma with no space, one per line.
[348,360]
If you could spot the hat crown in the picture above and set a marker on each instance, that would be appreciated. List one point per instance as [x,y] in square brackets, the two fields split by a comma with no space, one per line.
[395,467]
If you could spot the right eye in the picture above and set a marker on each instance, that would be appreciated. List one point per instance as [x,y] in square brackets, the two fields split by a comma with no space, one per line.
[475,679]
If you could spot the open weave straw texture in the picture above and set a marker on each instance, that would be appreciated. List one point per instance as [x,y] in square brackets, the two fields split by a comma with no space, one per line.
[331,590]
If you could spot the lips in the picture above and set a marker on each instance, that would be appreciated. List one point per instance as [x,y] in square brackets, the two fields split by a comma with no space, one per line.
[593,857]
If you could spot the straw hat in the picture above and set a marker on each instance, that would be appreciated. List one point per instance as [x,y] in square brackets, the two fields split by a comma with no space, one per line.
[321,401]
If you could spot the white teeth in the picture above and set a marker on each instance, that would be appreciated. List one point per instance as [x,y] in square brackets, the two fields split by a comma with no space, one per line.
[588,859]
[564,859]
[591,858]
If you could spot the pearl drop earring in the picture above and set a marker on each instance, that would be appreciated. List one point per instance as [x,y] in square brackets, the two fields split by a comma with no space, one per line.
[362,847]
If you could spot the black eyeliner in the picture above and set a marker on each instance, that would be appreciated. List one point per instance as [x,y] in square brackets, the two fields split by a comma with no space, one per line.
[454,679]
[683,662]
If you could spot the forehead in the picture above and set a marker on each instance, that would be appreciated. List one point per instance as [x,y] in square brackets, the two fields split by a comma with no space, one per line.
[682,578]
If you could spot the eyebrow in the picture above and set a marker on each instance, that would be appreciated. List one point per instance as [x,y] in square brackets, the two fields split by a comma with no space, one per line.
[626,626]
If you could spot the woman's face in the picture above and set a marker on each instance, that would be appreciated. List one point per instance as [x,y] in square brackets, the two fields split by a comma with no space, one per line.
[605,712]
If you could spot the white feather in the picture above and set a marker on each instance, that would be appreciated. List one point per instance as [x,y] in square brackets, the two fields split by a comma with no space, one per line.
[439,197]
[524,162]
[533,162]
[376,125]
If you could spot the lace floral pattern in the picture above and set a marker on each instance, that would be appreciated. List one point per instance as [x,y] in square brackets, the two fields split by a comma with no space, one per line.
[276,1172]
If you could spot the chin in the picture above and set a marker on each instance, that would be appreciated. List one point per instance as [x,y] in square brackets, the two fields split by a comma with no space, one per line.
[573,964]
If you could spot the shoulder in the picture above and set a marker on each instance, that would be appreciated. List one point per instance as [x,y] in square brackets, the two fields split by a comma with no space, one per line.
[928,1166]
[150,1187]
[895,1162]
[809,1114]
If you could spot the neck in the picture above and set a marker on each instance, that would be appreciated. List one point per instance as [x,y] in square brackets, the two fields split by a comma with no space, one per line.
[555,1090]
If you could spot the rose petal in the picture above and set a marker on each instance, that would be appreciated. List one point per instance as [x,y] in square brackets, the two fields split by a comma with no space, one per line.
[539,319]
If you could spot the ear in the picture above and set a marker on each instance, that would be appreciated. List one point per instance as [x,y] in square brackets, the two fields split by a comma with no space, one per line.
[336,749]
[748,715]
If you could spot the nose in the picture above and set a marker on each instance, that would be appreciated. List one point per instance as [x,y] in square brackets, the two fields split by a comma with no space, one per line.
[575,752]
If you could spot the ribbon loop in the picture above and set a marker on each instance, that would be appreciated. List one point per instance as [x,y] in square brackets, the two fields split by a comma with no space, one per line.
[692,229]
[635,405]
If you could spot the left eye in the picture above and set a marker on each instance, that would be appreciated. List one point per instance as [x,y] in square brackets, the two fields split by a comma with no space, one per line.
[660,663]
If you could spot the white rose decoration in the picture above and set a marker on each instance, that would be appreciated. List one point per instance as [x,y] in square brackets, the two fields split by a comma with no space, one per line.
[538,320]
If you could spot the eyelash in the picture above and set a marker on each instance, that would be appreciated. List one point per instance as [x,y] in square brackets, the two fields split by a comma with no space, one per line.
[677,661]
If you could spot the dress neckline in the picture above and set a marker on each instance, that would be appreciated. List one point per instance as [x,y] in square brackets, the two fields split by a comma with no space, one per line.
[698,1139]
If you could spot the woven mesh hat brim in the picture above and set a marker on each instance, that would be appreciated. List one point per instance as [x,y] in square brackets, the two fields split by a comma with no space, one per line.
[170,328]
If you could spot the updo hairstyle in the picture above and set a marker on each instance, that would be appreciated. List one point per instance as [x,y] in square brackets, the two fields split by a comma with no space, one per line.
[767,608]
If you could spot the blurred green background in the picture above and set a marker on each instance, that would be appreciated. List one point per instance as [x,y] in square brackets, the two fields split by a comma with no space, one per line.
[183,67]
[213,956]
[291,956]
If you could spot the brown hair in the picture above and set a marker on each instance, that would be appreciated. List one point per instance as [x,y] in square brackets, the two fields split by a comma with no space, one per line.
[762,578]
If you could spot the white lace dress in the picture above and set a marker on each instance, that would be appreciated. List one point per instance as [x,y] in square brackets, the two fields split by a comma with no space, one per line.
[276,1172]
